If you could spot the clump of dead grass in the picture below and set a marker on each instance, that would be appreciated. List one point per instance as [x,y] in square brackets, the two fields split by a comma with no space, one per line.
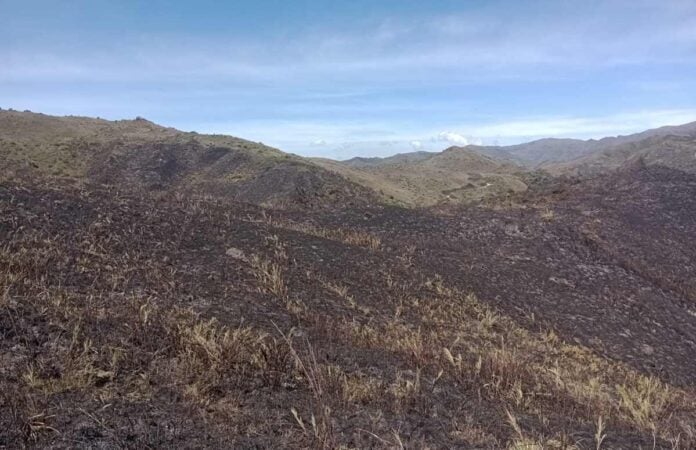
[351,237]
[270,276]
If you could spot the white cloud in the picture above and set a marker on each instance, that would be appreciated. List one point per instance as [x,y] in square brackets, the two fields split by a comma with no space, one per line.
[453,138]
[417,145]
[319,142]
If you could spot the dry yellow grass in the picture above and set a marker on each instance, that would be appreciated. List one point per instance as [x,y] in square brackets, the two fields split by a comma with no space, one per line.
[346,236]
[531,372]
[270,276]
[333,371]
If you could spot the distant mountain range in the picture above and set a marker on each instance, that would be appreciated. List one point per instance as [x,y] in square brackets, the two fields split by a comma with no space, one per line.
[673,151]
[551,150]
[543,151]
[463,174]
[139,153]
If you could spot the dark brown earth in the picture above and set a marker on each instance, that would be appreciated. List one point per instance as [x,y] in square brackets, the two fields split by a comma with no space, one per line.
[168,289]
[362,318]
[609,263]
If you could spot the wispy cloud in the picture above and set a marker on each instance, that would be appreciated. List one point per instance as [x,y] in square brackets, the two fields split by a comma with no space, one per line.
[475,44]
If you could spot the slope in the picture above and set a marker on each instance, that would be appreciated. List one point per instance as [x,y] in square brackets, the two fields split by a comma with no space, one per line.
[553,150]
[173,321]
[676,152]
[456,175]
[138,154]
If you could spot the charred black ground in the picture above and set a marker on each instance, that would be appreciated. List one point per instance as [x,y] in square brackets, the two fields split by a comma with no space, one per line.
[145,315]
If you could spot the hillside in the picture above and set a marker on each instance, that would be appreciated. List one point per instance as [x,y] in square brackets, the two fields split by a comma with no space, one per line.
[480,173]
[163,320]
[456,175]
[399,158]
[676,152]
[553,150]
[543,150]
[140,154]
[148,302]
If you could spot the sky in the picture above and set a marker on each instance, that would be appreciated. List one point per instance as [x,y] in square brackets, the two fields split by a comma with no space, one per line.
[348,78]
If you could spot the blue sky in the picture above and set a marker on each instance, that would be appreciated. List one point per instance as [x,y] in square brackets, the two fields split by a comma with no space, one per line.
[357,77]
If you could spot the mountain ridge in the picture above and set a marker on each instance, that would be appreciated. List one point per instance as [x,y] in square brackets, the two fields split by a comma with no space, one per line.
[455,175]
[139,153]
[547,150]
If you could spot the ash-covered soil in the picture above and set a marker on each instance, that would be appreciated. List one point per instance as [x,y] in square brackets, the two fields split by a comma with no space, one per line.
[560,318]
[609,262]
